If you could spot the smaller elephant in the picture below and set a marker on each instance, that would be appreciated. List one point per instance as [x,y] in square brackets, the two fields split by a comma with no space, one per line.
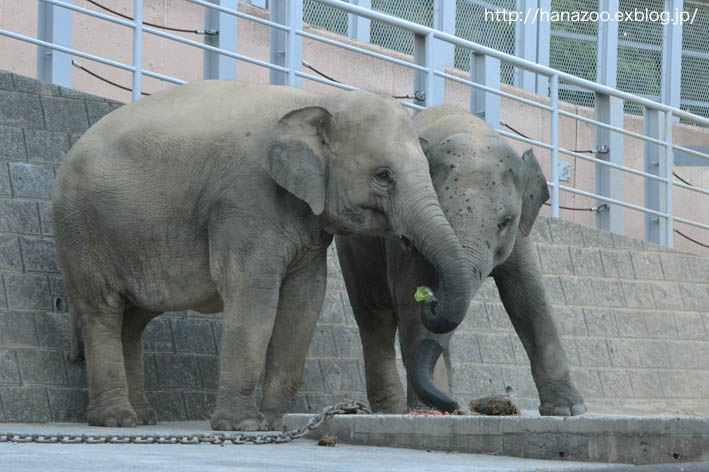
[219,196]
[491,197]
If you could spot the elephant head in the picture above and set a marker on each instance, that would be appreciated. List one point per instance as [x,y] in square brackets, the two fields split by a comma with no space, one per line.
[491,196]
[355,159]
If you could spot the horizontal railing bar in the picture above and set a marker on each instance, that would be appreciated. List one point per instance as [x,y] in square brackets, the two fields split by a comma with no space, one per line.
[613,165]
[93,13]
[130,24]
[576,36]
[377,16]
[694,152]
[690,222]
[695,54]
[90,57]
[239,14]
[508,58]
[322,80]
[533,67]
[524,140]
[690,187]
[612,128]
[66,50]
[492,90]
[636,45]
[613,201]
[224,52]
[412,105]
[585,157]
[166,78]
[366,52]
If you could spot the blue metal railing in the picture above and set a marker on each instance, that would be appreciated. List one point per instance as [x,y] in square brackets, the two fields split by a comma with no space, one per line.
[428,79]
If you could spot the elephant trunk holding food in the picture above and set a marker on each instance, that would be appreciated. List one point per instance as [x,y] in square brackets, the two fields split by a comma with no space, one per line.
[491,197]
[220,196]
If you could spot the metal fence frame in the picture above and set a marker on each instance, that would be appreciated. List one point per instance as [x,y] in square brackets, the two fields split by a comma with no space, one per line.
[286,60]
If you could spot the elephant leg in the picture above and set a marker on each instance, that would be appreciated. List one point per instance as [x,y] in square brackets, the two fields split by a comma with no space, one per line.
[134,322]
[250,294]
[377,331]
[522,292]
[300,302]
[364,269]
[109,404]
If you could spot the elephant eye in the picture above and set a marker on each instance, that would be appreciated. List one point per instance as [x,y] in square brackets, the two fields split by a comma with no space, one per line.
[383,176]
[504,223]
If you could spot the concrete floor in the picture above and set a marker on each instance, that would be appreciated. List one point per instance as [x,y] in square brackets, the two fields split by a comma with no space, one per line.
[301,455]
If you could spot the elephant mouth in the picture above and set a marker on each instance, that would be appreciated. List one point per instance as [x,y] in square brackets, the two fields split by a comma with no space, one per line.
[405,243]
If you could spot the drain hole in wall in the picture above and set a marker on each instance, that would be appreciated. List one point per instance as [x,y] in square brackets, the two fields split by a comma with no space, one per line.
[59,305]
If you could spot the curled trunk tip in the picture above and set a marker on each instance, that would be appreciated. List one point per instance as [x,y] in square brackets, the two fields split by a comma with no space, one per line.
[433,322]
[427,353]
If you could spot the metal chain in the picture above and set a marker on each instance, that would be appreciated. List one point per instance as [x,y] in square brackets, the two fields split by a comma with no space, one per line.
[344,408]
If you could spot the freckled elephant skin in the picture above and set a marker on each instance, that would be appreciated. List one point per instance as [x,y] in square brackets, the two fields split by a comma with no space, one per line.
[491,197]
[221,196]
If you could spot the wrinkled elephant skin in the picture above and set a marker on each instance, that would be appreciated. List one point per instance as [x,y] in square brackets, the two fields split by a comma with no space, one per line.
[221,196]
[491,197]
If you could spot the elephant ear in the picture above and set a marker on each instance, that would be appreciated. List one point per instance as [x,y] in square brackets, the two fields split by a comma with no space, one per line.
[535,194]
[297,158]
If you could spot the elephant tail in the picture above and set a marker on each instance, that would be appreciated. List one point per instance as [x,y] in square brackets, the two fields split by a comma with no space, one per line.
[77,341]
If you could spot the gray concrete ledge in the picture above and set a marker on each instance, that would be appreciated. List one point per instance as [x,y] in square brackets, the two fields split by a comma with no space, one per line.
[302,455]
[594,438]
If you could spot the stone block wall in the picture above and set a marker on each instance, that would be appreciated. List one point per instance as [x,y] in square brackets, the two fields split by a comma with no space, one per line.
[634,318]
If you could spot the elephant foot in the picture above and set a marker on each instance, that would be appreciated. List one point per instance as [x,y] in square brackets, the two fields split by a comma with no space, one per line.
[113,416]
[391,401]
[275,421]
[561,399]
[147,415]
[226,420]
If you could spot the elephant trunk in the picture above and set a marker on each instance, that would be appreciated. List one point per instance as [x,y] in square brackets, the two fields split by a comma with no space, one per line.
[427,354]
[431,234]
[460,276]
[431,347]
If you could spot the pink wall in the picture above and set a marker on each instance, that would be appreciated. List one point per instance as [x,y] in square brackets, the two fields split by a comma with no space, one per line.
[184,62]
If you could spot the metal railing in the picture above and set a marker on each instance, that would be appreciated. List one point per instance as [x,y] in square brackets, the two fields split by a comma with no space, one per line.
[430,80]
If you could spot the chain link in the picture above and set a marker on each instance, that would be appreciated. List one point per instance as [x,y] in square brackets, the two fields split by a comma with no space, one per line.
[219,439]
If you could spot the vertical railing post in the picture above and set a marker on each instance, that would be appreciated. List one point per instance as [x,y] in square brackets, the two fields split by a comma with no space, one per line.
[358,27]
[672,56]
[425,81]
[287,46]
[543,44]
[294,50]
[526,43]
[137,48]
[607,49]
[669,158]
[554,91]
[485,70]
[278,41]
[218,66]
[609,145]
[54,25]
[654,164]
[443,52]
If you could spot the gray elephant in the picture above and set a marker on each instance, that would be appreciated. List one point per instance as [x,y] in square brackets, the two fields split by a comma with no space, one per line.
[220,196]
[491,198]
